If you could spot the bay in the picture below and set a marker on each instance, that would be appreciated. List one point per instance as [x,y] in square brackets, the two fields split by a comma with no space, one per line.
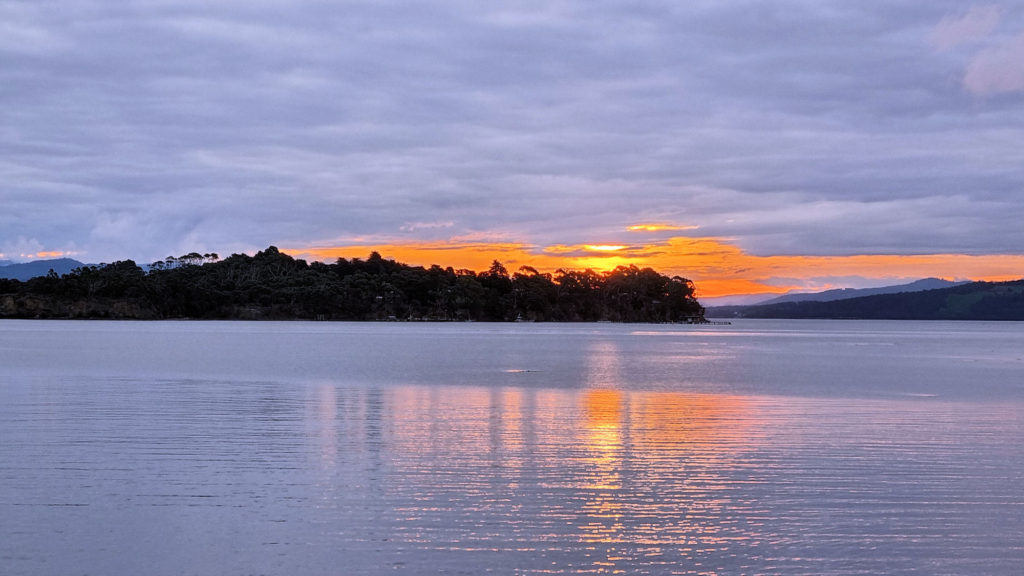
[762,447]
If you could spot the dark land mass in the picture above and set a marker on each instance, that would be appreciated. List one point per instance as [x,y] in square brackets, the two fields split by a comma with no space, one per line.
[28,270]
[274,286]
[971,301]
[846,293]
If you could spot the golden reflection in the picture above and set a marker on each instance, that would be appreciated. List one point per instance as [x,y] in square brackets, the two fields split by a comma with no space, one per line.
[628,475]
[705,423]
[506,419]
[601,519]
[656,471]
[603,410]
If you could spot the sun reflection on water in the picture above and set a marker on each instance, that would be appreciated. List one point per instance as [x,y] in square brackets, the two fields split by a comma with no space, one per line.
[604,455]
[621,475]
[598,480]
[658,473]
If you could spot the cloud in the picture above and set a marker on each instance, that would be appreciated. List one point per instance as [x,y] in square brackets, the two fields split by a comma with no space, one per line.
[977,23]
[417,226]
[659,228]
[996,61]
[22,249]
[791,128]
[998,69]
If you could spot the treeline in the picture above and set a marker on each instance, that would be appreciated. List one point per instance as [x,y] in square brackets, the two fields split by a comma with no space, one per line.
[273,285]
[973,301]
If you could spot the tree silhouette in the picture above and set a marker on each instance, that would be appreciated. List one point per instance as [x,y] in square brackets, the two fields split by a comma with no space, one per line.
[274,285]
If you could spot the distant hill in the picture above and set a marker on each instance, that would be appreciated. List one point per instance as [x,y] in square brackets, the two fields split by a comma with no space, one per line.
[26,270]
[971,301]
[735,309]
[845,293]
[735,300]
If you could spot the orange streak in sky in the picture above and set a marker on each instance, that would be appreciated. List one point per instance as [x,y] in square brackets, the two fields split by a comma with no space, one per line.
[658,227]
[603,247]
[46,254]
[717,267]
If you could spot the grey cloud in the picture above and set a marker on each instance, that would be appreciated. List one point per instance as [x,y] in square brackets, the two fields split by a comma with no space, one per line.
[139,129]
[997,69]
[975,24]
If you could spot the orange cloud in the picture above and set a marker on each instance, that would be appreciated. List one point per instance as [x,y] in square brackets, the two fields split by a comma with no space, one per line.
[658,227]
[44,254]
[604,247]
[717,267]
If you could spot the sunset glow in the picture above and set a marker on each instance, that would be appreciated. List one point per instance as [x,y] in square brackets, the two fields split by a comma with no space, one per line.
[603,248]
[658,227]
[44,254]
[717,267]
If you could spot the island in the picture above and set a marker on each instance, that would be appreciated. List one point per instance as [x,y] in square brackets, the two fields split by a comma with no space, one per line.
[272,285]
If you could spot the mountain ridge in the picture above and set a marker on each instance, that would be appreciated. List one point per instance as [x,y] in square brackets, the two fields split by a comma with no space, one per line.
[846,293]
[970,301]
[27,270]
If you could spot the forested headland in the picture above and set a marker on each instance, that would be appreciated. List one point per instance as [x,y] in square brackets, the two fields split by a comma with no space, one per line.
[970,301]
[272,285]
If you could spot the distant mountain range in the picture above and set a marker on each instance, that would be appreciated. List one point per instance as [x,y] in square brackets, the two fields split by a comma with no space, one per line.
[827,295]
[846,293]
[26,270]
[968,301]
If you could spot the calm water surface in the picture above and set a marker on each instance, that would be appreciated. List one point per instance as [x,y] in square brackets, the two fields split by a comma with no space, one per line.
[764,447]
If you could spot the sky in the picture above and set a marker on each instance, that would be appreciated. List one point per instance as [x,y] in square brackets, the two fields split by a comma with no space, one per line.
[753,147]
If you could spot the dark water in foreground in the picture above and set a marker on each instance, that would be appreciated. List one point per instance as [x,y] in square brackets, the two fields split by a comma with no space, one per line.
[312,448]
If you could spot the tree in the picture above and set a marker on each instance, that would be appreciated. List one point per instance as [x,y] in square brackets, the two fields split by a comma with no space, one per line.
[271,284]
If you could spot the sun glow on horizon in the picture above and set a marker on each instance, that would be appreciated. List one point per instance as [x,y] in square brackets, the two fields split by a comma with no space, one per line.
[604,247]
[47,254]
[716,266]
[39,255]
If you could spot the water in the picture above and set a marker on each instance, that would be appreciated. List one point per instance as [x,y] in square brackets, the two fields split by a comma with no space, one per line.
[764,447]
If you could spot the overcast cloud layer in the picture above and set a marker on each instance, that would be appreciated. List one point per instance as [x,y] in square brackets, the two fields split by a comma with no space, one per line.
[153,127]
